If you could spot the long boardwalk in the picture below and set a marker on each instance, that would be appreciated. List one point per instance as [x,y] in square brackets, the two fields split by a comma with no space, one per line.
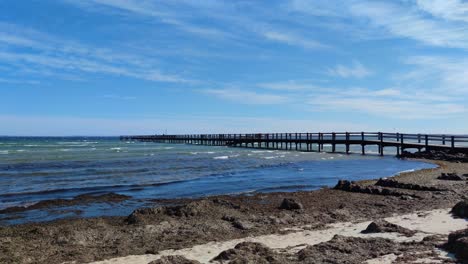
[317,141]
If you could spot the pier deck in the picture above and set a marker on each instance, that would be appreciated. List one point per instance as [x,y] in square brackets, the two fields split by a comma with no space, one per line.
[317,141]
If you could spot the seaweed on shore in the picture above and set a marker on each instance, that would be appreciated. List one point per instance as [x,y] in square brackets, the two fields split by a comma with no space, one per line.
[78,200]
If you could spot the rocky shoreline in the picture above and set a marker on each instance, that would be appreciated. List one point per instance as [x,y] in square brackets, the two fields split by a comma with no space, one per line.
[186,223]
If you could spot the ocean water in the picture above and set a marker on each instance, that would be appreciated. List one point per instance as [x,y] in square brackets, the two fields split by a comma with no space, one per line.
[37,169]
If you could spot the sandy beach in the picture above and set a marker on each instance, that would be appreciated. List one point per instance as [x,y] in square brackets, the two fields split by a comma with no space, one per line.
[323,226]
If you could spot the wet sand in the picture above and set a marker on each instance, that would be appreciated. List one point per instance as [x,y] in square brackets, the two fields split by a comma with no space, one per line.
[224,220]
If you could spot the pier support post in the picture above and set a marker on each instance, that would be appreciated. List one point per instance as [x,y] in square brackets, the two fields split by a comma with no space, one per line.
[334,144]
[319,144]
[297,141]
[363,146]
[381,146]
[402,142]
[426,138]
[347,143]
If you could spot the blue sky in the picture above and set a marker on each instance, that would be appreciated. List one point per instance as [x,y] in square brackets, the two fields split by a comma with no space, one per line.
[110,67]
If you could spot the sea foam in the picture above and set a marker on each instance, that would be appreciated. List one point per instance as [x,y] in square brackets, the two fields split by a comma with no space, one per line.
[221,157]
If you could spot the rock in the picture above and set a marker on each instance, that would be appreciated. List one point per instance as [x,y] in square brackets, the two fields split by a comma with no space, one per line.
[226,203]
[274,220]
[395,184]
[237,223]
[375,190]
[406,198]
[243,225]
[291,204]
[461,209]
[77,200]
[382,226]
[458,245]
[249,252]
[447,155]
[343,185]
[348,250]
[139,215]
[174,260]
[450,177]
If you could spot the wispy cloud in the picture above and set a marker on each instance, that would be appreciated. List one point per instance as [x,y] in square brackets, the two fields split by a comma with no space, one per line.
[406,20]
[14,81]
[154,10]
[291,86]
[441,23]
[389,103]
[231,25]
[118,97]
[293,40]
[76,65]
[320,8]
[247,97]
[455,10]
[393,103]
[448,74]
[356,70]
[46,53]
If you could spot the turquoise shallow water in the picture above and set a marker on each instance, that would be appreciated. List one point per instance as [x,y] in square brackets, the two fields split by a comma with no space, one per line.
[37,169]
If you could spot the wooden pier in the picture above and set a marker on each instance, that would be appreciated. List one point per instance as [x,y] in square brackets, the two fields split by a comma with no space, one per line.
[317,141]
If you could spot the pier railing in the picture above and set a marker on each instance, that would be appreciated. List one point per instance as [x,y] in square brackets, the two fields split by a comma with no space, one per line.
[307,141]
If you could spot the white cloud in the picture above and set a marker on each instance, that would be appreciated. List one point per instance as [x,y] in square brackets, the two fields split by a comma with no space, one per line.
[15,81]
[393,103]
[155,10]
[455,10]
[442,23]
[230,24]
[47,54]
[321,8]
[357,70]
[387,107]
[289,86]
[247,97]
[64,64]
[118,97]
[293,40]
[448,74]
[388,92]
[406,21]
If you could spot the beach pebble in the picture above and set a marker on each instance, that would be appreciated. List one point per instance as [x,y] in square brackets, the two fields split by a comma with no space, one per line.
[243,225]
[406,197]
[291,204]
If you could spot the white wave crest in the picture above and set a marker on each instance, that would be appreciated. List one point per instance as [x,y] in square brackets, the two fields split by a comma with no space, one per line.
[221,158]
